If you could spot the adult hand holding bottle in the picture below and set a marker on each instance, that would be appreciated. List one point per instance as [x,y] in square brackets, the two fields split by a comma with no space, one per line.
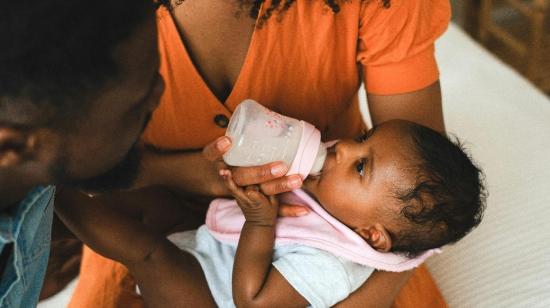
[269,177]
[195,173]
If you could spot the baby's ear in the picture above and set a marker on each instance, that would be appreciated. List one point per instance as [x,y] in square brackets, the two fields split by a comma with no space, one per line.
[377,236]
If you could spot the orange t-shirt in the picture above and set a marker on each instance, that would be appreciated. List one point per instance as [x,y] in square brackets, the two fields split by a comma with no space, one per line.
[309,65]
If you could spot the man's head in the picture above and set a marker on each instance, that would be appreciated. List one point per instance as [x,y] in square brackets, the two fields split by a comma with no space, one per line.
[78,83]
[403,187]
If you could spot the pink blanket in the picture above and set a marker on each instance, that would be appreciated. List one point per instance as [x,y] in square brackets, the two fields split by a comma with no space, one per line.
[317,229]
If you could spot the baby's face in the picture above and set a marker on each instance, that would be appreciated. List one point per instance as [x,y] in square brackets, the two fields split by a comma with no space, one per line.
[359,177]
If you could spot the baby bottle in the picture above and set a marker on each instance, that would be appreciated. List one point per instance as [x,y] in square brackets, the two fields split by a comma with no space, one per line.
[260,136]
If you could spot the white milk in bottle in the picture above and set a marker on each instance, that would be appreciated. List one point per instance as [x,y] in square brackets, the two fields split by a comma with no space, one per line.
[260,136]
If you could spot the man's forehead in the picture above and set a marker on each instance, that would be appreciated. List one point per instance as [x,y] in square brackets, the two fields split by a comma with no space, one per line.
[137,60]
[142,41]
[23,112]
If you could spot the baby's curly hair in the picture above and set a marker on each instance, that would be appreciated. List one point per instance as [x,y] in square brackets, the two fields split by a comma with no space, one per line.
[447,200]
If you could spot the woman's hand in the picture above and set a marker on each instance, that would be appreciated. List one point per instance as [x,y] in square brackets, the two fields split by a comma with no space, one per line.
[269,178]
[196,172]
[192,173]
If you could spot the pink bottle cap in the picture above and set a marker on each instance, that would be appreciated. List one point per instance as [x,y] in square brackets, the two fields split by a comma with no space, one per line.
[307,150]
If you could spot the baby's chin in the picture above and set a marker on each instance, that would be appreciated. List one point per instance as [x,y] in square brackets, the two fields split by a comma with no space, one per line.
[310,193]
[310,184]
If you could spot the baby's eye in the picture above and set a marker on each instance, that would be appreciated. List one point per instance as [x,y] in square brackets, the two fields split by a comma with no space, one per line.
[360,167]
[366,135]
[362,138]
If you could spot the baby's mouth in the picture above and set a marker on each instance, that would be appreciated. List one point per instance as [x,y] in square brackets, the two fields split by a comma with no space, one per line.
[331,152]
[331,148]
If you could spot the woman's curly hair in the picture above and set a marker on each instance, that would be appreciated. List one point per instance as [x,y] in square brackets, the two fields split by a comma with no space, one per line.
[277,6]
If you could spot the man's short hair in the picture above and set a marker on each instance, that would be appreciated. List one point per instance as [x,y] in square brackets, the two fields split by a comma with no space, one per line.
[56,54]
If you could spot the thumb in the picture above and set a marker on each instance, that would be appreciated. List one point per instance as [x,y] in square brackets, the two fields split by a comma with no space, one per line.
[292,210]
[255,196]
[214,150]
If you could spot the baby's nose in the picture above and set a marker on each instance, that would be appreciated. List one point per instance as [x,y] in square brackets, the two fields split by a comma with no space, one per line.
[344,149]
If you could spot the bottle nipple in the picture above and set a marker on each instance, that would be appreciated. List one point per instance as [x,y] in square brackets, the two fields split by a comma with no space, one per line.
[319,160]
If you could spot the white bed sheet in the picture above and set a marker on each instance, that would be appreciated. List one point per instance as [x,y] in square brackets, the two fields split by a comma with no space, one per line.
[506,124]
[61,299]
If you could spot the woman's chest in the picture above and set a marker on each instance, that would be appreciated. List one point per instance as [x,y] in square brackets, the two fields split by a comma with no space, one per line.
[216,35]
[305,49]
[301,64]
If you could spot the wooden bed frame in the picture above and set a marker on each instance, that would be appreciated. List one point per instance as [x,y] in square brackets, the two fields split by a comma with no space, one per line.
[534,49]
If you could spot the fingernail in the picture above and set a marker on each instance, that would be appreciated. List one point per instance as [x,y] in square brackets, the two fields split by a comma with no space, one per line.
[223,144]
[294,182]
[301,212]
[278,169]
[251,194]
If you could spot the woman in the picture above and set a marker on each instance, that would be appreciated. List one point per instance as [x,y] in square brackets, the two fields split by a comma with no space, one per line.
[305,59]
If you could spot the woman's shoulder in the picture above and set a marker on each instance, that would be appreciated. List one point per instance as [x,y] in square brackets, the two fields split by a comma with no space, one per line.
[355,12]
[404,8]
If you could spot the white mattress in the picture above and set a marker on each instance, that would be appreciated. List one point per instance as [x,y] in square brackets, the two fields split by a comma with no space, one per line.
[506,123]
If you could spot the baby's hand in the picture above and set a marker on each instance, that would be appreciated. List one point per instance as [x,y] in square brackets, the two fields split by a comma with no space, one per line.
[257,208]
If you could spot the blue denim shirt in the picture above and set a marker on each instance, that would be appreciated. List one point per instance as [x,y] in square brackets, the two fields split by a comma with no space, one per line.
[28,229]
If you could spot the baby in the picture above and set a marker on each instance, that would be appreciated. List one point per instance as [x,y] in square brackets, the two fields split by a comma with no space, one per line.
[400,190]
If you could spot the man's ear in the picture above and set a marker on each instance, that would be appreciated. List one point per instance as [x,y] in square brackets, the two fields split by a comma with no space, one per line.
[377,236]
[16,146]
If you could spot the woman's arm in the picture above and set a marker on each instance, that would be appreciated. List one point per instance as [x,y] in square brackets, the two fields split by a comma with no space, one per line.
[196,172]
[380,290]
[422,106]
